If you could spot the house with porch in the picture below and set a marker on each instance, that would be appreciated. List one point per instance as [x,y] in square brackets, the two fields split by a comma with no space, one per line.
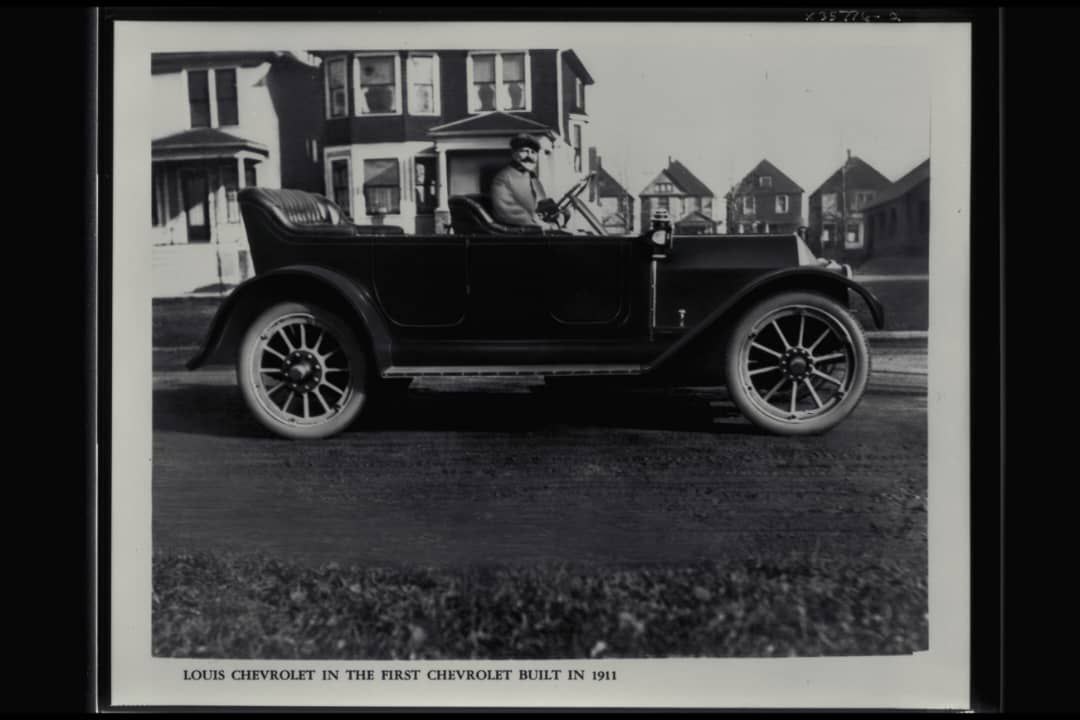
[765,201]
[688,201]
[837,227]
[407,129]
[223,121]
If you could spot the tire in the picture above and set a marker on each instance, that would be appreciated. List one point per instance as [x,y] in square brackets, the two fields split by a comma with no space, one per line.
[797,364]
[303,372]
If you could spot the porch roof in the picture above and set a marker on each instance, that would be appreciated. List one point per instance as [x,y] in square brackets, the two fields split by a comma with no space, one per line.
[491,123]
[204,143]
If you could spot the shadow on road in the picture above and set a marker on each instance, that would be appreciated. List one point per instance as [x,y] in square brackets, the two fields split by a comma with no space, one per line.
[221,411]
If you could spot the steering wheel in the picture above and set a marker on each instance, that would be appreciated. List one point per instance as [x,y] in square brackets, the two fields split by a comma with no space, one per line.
[557,215]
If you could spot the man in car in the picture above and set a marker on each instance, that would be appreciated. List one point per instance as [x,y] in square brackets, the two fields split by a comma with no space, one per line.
[517,196]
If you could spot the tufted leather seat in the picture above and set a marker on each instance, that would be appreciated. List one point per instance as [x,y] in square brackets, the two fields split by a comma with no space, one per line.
[307,213]
[471,214]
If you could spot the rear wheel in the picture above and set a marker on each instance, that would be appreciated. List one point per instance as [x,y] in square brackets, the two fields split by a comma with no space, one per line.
[303,372]
[797,363]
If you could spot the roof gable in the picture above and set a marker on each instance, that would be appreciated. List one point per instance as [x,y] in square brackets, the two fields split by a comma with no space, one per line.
[491,123]
[918,174]
[661,177]
[861,175]
[686,180]
[781,183]
[607,186]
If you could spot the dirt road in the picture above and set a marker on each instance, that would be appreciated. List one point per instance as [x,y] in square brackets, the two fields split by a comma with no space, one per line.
[505,472]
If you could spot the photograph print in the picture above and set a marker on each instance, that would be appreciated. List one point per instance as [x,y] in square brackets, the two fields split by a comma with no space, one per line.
[570,344]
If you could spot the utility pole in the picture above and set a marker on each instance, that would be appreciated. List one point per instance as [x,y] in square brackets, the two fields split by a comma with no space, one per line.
[842,240]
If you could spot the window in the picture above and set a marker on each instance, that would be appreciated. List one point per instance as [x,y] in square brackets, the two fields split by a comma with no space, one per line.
[337,94]
[579,94]
[706,206]
[382,187]
[199,98]
[663,203]
[664,187]
[782,204]
[311,147]
[748,203]
[863,198]
[339,182]
[577,148]
[423,77]
[828,204]
[225,87]
[765,181]
[377,85]
[690,204]
[498,81]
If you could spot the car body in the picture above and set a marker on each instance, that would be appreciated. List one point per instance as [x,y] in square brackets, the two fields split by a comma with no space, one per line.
[337,311]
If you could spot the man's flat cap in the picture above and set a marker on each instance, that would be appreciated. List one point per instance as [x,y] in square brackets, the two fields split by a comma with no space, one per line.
[523,140]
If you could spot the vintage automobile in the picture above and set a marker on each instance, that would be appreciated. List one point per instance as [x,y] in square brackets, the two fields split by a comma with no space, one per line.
[338,312]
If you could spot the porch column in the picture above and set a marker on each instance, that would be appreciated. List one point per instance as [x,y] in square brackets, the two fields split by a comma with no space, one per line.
[240,173]
[442,212]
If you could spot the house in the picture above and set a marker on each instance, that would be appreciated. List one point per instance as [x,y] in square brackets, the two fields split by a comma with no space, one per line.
[688,201]
[765,201]
[223,121]
[407,129]
[898,220]
[837,225]
[615,202]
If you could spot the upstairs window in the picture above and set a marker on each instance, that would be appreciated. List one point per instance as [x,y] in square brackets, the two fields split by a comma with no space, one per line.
[199,98]
[748,203]
[765,181]
[212,97]
[382,187]
[862,199]
[377,85]
[828,204]
[337,93]
[225,85]
[579,94]
[665,187]
[781,204]
[498,81]
[423,78]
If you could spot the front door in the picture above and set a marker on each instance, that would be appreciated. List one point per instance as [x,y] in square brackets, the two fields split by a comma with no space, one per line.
[196,197]
[426,194]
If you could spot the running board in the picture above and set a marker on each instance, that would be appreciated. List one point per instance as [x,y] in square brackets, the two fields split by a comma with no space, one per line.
[511,370]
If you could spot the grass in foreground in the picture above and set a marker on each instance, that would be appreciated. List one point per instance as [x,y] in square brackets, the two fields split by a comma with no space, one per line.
[251,607]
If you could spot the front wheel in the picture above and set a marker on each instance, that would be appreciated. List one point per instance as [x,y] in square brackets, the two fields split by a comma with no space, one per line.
[797,364]
[302,371]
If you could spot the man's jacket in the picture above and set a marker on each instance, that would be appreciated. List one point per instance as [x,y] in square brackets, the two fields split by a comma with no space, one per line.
[514,195]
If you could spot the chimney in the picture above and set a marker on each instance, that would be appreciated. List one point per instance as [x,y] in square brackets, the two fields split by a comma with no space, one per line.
[668,159]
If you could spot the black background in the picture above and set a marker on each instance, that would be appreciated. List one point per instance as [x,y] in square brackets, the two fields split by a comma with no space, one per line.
[50,124]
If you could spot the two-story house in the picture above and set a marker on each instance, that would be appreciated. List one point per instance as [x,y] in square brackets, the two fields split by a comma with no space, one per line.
[223,121]
[405,130]
[765,201]
[688,201]
[837,228]
[615,202]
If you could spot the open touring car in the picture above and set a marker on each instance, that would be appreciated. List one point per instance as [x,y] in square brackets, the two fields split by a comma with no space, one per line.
[337,311]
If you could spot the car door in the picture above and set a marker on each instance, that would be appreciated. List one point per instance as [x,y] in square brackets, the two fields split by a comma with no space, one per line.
[420,281]
[587,284]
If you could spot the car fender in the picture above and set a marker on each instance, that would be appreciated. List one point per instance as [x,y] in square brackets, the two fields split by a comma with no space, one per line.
[296,282]
[801,278]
